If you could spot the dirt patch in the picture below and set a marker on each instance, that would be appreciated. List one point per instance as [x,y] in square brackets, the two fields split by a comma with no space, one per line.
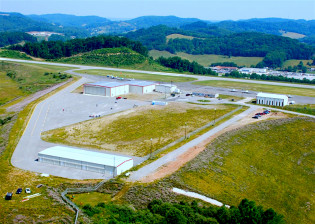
[194,151]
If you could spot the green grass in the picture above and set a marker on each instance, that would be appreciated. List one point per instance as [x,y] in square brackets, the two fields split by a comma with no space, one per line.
[141,76]
[131,133]
[300,108]
[92,198]
[294,62]
[268,162]
[180,36]
[259,87]
[14,54]
[208,59]
[27,79]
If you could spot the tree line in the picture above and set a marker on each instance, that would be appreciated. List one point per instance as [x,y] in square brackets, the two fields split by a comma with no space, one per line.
[280,78]
[58,49]
[9,38]
[183,65]
[157,212]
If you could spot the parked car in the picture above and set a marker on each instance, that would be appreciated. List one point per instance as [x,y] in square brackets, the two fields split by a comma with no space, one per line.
[125,98]
[118,98]
[28,190]
[8,196]
[19,191]
[255,117]
[188,94]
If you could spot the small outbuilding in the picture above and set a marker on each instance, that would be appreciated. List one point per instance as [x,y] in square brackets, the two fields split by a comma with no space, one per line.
[141,87]
[110,89]
[272,99]
[165,88]
[111,165]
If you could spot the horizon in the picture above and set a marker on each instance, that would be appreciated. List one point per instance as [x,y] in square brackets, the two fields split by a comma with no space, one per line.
[212,10]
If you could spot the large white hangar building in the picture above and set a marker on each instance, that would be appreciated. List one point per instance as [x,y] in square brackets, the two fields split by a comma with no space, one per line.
[108,164]
[113,89]
[272,99]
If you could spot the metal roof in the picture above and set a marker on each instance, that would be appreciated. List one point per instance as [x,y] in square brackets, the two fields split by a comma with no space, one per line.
[107,84]
[269,95]
[141,83]
[168,85]
[85,155]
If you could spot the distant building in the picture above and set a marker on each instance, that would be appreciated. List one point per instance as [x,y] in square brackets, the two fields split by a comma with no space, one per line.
[165,88]
[272,99]
[259,71]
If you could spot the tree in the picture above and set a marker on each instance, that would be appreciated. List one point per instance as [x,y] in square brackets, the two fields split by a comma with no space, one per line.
[175,216]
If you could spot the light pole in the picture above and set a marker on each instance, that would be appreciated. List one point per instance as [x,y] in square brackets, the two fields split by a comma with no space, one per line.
[151,148]
[214,116]
[185,130]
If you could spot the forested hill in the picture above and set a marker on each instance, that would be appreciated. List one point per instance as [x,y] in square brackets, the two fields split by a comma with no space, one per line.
[8,38]
[249,44]
[58,49]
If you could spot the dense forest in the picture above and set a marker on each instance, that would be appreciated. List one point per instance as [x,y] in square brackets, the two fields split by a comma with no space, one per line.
[8,38]
[58,49]
[159,212]
[183,65]
[275,49]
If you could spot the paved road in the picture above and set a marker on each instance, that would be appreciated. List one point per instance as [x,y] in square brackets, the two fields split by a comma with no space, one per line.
[172,156]
[199,77]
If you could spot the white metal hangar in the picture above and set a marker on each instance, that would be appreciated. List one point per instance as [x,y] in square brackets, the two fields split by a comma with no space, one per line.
[111,89]
[272,99]
[165,88]
[141,87]
[86,160]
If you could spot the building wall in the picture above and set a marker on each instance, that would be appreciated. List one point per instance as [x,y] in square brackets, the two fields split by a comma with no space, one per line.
[148,89]
[271,101]
[124,166]
[119,90]
[136,89]
[163,89]
[94,90]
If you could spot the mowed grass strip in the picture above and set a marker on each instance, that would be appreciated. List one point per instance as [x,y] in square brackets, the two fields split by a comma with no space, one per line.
[29,78]
[208,59]
[269,162]
[141,76]
[258,87]
[130,132]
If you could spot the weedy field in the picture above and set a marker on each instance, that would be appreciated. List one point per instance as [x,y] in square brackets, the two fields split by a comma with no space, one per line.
[208,59]
[294,62]
[269,162]
[258,87]
[141,76]
[14,54]
[130,132]
[19,80]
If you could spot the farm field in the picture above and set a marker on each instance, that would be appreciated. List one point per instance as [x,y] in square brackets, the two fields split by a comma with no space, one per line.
[180,36]
[130,132]
[267,162]
[141,76]
[258,87]
[25,79]
[294,62]
[206,60]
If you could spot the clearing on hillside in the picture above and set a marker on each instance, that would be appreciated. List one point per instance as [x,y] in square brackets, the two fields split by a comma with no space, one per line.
[179,36]
[130,132]
[269,162]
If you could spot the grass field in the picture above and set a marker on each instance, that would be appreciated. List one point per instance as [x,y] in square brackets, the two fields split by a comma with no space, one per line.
[206,60]
[300,108]
[259,87]
[229,97]
[267,162]
[292,35]
[14,54]
[141,76]
[130,132]
[92,198]
[180,36]
[294,62]
[26,79]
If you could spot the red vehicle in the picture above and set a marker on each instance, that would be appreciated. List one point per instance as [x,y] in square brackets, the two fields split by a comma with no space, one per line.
[118,98]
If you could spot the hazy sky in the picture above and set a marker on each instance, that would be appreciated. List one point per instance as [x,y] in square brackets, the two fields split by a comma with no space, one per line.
[203,9]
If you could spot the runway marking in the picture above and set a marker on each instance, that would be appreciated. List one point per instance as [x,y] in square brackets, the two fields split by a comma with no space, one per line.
[37,118]
[45,118]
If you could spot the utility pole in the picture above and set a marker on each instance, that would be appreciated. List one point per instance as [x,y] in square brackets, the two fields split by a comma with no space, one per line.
[215,110]
[185,130]
[151,149]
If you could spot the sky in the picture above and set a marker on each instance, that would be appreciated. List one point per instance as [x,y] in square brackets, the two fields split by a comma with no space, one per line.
[214,10]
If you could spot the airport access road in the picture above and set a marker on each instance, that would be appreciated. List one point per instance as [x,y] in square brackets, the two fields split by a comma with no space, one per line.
[199,77]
